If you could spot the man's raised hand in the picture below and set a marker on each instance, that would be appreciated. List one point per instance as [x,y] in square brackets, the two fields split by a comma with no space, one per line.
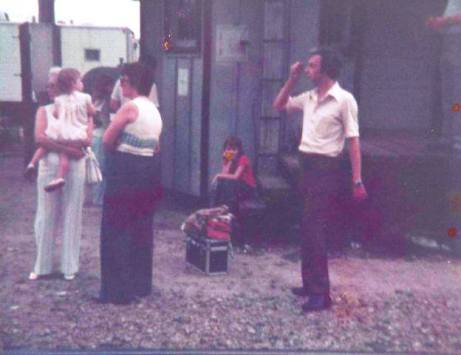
[295,70]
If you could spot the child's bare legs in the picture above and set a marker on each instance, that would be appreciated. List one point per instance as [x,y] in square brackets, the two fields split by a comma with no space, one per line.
[32,166]
[63,169]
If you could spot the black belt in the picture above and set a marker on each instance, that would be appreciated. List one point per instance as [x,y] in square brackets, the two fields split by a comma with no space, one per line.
[318,161]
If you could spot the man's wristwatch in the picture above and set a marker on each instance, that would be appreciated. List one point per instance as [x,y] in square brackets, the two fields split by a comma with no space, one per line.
[358,183]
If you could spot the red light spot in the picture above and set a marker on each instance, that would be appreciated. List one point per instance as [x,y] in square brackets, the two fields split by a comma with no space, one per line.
[456,107]
[452,232]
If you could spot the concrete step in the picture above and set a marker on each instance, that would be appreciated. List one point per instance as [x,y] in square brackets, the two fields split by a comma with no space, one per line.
[274,186]
[290,168]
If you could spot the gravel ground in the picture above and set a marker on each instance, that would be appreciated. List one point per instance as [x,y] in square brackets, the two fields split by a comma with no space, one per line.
[409,304]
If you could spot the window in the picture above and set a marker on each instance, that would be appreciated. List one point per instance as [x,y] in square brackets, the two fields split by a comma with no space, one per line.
[182,25]
[92,55]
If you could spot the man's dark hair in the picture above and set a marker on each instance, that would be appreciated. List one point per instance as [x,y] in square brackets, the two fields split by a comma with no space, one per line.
[331,63]
[140,77]
[102,87]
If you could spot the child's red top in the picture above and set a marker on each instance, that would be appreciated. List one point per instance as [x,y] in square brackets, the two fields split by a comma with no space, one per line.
[247,175]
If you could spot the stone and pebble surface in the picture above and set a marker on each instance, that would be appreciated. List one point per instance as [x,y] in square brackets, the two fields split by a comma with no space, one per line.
[380,304]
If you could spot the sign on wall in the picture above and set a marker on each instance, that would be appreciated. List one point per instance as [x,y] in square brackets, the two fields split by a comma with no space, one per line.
[183,82]
[232,43]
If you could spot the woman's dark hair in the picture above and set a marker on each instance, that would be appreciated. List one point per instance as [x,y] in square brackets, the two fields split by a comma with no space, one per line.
[236,143]
[66,80]
[140,76]
[331,63]
[102,87]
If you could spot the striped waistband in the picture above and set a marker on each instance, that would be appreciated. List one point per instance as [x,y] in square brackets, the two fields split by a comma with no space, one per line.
[137,142]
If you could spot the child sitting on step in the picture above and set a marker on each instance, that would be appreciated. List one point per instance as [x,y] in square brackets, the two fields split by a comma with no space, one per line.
[236,181]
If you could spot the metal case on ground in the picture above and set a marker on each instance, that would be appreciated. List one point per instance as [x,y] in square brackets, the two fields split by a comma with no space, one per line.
[208,255]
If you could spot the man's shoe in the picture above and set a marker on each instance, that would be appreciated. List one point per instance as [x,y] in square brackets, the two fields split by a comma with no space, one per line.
[299,291]
[317,303]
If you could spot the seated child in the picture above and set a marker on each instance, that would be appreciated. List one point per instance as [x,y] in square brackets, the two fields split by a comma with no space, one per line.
[72,110]
[236,181]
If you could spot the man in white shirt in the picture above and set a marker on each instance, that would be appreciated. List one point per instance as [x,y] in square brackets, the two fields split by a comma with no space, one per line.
[117,99]
[329,118]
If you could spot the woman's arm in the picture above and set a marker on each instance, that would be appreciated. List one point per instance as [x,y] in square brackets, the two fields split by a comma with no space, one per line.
[43,141]
[127,114]
[83,143]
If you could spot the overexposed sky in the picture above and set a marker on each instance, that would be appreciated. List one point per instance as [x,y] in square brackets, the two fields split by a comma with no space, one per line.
[119,13]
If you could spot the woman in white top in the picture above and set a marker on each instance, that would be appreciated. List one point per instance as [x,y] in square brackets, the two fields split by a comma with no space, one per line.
[132,183]
[63,208]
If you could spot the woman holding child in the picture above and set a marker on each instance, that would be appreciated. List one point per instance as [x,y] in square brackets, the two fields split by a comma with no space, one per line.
[63,206]
[132,180]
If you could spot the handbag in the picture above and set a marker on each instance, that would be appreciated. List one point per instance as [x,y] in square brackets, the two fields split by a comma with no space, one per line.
[93,172]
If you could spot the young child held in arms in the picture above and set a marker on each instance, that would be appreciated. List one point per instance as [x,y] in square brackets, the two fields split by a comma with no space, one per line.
[72,110]
[236,181]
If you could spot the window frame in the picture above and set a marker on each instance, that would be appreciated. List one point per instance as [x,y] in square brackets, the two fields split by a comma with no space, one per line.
[88,51]
[171,26]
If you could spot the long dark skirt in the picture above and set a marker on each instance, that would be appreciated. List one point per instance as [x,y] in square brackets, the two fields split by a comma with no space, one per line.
[132,186]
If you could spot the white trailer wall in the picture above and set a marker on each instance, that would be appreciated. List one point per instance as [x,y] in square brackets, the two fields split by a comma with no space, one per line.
[111,44]
[10,63]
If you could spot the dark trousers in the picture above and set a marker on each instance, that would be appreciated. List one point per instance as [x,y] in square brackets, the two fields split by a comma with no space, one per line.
[231,192]
[319,187]
[127,227]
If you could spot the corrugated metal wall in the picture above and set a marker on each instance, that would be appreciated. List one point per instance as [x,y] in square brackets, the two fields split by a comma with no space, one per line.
[181,113]
[235,84]
[398,67]
[237,102]
[396,84]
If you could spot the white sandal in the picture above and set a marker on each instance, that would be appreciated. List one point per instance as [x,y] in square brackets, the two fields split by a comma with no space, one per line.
[69,277]
[55,184]
[33,276]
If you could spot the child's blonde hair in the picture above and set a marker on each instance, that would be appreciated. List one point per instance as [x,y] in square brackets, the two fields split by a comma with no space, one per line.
[67,78]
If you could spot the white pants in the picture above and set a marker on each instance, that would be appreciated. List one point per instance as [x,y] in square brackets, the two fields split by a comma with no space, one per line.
[59,208]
